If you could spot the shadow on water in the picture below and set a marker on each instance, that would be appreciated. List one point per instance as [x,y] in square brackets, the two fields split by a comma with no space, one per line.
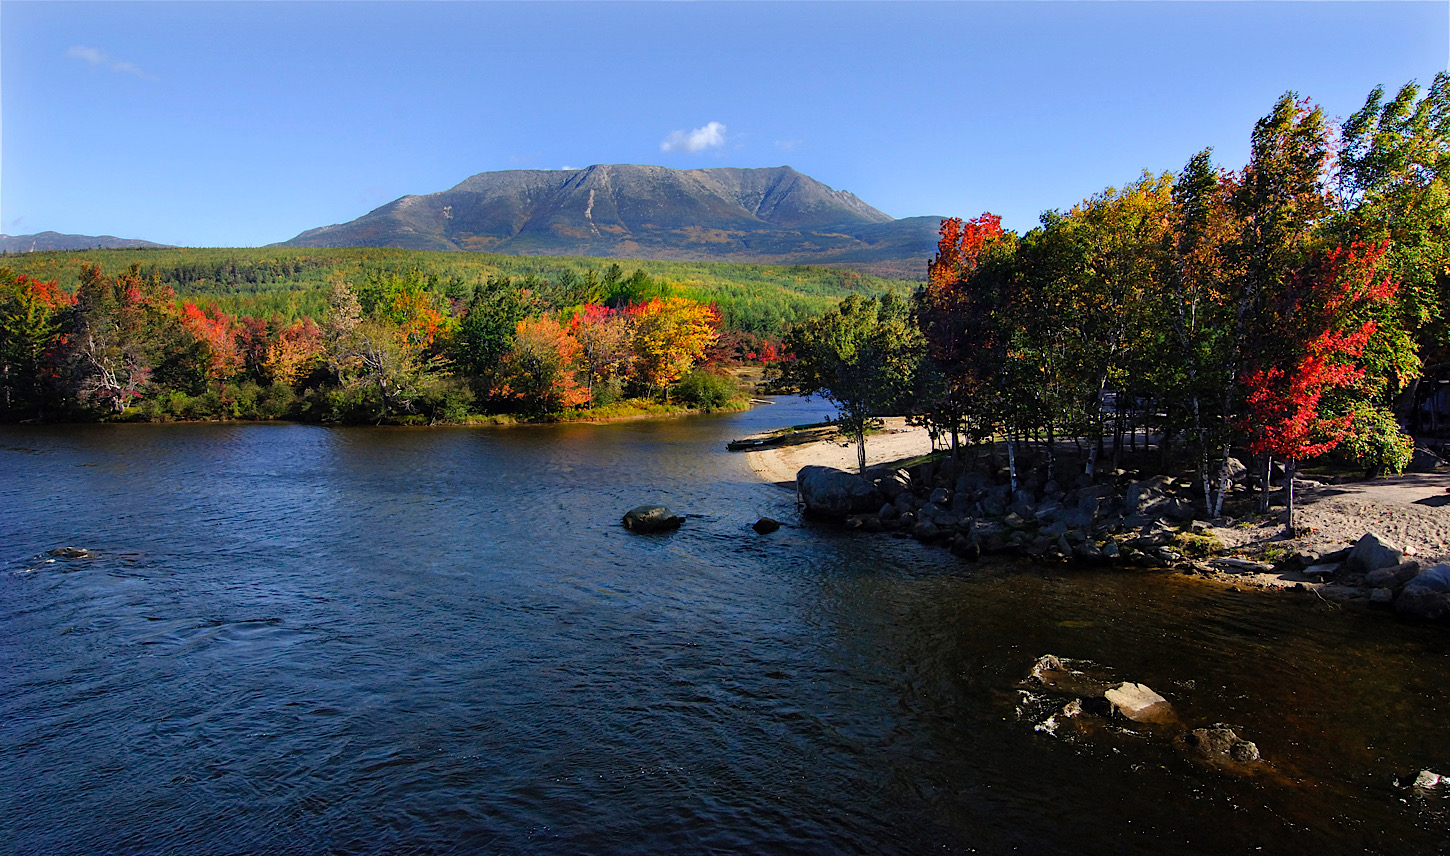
[304,639]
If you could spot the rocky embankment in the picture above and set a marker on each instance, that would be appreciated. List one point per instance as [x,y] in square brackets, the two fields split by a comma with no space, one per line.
[1133,521]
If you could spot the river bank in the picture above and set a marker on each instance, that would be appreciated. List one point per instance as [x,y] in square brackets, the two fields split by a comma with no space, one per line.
[1408,511]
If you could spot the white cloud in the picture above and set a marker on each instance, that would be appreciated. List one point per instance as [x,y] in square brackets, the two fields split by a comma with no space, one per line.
[90,55]
[710,136]
[99,58]
[566,166]
[787,145]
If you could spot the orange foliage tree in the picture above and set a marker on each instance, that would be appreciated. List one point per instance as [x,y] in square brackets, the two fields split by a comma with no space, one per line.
[957,320]
[603,335]
[221,358]
[295,352]
[538,372]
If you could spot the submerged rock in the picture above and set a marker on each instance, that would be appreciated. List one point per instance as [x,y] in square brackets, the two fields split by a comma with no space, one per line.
[651,518]
[72,553]
[1051,673]
[765,525]
[1220,745]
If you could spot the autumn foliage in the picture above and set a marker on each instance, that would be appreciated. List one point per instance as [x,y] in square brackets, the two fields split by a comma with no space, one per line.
[394,347]
[1322,330]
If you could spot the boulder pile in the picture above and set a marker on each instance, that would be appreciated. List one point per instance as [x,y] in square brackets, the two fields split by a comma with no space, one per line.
[1124,519]
[1378,569]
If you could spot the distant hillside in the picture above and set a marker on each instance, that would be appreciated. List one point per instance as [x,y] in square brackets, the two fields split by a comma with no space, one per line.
[288,282]
[42,241]
[767,216]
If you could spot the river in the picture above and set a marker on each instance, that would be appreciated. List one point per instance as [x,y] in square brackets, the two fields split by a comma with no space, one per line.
[303,639]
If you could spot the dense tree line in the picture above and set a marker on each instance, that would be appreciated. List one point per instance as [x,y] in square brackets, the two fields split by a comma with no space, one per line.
[293,282]
[1282,310]
[393,347]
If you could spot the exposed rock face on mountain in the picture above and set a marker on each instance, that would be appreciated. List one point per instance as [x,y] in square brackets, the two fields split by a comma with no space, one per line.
[776,215]
[56,241]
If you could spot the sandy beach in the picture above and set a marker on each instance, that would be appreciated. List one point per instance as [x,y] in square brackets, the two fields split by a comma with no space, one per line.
[896,442]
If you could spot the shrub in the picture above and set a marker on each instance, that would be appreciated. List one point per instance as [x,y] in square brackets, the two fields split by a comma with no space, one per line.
[706,390]
[1376,441]
[444,399]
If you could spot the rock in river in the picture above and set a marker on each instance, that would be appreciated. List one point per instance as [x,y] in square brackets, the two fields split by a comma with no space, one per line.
[1138,703]
[1427,596]
[1220,745]
[766,525]
[651,518]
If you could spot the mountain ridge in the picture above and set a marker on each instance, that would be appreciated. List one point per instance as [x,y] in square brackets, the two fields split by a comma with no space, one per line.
[43,241]
[771,215]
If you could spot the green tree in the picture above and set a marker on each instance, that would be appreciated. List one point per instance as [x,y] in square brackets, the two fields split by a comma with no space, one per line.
[30,327]
[1394,184]
[486,331]
[122,329]
[1280,202]
[1199,301]
[862,356]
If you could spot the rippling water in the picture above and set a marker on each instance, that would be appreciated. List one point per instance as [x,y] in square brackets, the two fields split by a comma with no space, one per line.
[298,639]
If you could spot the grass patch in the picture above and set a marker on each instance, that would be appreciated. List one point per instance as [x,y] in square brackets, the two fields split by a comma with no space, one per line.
[1198,546]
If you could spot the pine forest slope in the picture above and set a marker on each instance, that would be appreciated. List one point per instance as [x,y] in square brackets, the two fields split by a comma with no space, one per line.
[292,281]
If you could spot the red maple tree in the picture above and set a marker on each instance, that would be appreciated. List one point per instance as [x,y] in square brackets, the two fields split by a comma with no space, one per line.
[1314,335]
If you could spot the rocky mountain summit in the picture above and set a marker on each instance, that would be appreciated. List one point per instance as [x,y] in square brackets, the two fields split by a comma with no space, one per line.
[775,215]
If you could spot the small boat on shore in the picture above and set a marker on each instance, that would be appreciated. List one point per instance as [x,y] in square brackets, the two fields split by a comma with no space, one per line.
[793,436]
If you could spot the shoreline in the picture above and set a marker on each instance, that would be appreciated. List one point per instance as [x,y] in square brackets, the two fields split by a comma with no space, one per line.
[483,421]
[1411,511]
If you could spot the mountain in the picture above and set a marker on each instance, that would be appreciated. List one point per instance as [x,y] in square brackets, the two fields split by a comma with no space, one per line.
[775,216]
[56,241]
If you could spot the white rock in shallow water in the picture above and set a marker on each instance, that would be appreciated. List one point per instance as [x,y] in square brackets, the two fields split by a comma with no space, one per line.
[1427,780]
[1138,703]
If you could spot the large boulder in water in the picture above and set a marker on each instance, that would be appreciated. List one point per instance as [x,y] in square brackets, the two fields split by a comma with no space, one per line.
[829,492]
[651,518]
[1221,746]
[1428,595]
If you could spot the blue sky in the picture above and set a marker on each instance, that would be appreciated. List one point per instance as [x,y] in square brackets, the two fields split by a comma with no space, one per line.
[239,124]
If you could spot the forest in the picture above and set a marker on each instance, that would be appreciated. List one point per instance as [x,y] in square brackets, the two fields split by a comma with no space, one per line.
[1291,308]
[289,283]
[393,347]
